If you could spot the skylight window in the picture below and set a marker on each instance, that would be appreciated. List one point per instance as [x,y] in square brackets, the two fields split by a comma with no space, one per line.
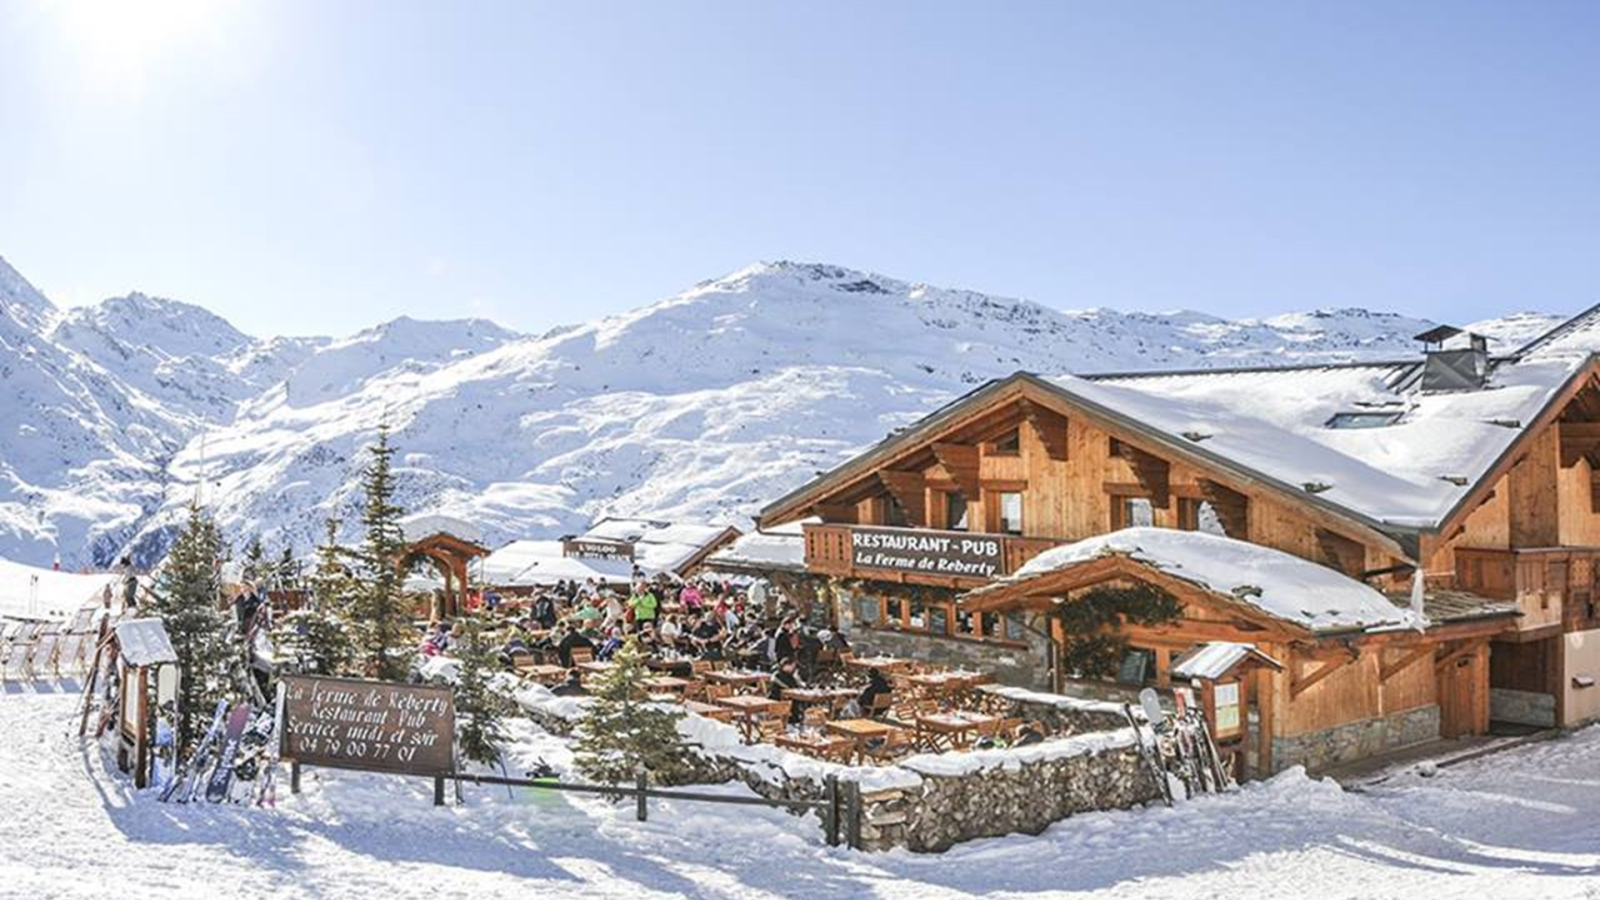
[1363,419]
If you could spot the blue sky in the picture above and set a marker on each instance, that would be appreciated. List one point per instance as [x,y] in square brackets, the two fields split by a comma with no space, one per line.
[315,167]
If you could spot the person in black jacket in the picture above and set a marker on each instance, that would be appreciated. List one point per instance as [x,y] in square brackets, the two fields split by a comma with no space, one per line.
[571,639]
[786,677]
[544,611]
[877,686]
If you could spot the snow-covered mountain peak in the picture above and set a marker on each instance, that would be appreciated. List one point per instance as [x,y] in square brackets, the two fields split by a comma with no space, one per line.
[21,301]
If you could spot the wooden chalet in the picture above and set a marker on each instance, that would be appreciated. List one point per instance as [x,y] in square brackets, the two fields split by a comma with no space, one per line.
[1340,481]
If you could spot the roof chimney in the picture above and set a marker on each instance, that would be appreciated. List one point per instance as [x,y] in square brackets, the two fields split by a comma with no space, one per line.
[1461,369]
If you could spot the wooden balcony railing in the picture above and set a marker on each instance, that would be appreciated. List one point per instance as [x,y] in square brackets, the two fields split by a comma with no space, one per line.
[831,550]
[1554,586]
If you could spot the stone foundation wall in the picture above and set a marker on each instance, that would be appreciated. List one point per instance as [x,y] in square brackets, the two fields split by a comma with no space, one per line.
[1522,707]
[1060,715]
[1010,663]
[1318,750]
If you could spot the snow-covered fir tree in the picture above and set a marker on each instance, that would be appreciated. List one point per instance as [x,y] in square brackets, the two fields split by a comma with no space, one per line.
[254,567]
[622,732]
[186,597]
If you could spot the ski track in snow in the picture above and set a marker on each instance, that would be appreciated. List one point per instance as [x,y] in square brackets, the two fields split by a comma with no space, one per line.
[72,827]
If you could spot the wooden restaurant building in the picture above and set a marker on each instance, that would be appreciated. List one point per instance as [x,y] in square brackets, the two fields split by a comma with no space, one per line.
[1286,509]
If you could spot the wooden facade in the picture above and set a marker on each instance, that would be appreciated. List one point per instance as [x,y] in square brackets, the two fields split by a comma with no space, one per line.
[1030,468]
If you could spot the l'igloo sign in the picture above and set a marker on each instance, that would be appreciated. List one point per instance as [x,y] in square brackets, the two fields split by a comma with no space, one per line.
[375,726]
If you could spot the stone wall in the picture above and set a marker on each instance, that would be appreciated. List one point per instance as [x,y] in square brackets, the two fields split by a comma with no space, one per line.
[1060,714]
[1522,707]
[1318,750]
[930,802]
[1025,798]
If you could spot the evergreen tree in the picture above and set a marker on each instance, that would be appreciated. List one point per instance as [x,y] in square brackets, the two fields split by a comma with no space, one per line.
[186,598]
[286,574]
[315,642]
[379,615]
[479,707]
[331,583]
[254,567]
[622,732]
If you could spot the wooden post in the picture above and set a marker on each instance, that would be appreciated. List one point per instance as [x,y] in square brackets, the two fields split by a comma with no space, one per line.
[1265,698]
[830,813]
[852,819]
[641,782]
[141,737]
[294,776]
[438,790]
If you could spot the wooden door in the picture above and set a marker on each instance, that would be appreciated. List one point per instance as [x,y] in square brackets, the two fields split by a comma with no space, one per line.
[1464,693]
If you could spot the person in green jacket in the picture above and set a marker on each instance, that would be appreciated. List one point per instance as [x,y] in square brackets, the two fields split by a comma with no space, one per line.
[643,603]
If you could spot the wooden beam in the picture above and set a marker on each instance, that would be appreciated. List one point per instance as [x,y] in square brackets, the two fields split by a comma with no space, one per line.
[1388,670]
[1152,471]
[1460,650]
[1232,507]
[907,489]
[1299,682]
[1050,427]
[961,461]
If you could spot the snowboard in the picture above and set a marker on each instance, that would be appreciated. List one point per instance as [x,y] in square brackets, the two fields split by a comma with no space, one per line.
[195,764]
[222,775]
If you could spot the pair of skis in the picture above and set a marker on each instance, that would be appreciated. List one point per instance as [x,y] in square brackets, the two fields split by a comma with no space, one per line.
[210,768]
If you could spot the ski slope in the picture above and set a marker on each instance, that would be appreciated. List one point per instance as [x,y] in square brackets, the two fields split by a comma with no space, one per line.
[1525,823]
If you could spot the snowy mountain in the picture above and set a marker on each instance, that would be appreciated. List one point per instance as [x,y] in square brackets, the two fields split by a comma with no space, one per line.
[703,405]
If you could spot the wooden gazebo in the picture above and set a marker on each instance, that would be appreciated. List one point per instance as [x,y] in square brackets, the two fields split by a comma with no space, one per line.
[451,545]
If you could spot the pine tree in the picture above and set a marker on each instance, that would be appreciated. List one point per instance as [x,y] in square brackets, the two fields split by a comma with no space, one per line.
[379,613]
[622,732]
[186,599]
[479,707]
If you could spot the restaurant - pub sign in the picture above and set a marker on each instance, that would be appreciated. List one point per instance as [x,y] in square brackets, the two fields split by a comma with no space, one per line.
[927,552]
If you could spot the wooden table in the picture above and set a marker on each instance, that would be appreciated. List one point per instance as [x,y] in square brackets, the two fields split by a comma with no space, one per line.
[944,682]
[859,731]
[709,710]
[667,683]
[543,674]
[954,728]
[834,747]
[738,677]
[749,708]
[881,663]
[833,697]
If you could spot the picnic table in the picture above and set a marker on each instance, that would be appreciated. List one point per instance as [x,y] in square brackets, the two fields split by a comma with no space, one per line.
[859,731]
[836,747]
[748,708]
[738,677]
[673,666]
[954,729]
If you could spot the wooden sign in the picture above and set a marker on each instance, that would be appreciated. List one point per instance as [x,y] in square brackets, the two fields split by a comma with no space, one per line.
[927,552]
[378,726]
[597,549]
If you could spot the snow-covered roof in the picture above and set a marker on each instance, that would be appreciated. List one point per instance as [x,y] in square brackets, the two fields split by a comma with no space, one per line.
[1214,659]
[1276,422]
[781,547]
[144,642]
[32,592]
[1277,583]
[531,563]
[425,525]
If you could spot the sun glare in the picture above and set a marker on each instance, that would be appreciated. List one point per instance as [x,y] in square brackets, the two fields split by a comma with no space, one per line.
[120,43]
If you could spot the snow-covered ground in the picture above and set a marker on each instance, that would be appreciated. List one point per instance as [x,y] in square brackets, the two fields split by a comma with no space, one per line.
[1525,823]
